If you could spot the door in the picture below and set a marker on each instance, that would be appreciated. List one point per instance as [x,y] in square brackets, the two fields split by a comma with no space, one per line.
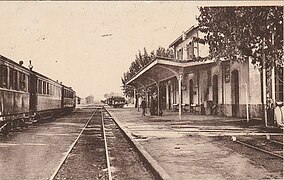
[169,96]
[163,97]
[215,89]
[235,92]
[33,92]
[190,92]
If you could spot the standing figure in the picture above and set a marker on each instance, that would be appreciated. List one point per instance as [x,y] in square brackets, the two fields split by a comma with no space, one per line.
[143,106]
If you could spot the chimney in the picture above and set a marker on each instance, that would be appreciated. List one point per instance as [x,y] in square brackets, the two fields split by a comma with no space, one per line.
[183,36]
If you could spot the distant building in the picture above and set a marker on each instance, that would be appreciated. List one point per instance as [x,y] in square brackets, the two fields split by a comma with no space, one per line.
[89,100]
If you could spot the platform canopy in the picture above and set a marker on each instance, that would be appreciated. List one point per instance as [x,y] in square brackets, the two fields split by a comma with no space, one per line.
[161,69]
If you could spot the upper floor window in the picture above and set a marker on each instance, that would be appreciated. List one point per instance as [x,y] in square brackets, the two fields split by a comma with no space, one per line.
[190,50]
[180,54]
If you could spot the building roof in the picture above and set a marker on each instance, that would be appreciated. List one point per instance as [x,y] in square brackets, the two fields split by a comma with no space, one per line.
[162,61]
[179,39]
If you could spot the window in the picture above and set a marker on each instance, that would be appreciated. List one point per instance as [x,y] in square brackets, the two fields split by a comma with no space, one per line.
[51,89]
[23,82]
[40,86]
[190,51]
[11,75]
[180,54]
[44,87]
[47,89]
[15,80]
[3,76]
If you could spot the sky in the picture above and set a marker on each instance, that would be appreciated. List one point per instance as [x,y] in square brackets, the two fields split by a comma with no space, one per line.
[89,45]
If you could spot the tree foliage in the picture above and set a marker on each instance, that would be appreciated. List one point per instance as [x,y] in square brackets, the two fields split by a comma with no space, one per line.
[236,33]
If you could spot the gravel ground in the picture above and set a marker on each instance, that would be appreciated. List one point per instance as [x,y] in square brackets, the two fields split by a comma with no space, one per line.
[87,159]
[125,161]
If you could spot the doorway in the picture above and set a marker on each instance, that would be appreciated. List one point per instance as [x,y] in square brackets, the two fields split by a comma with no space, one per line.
[190,92]
[235,92]
[215,90]
[169,96]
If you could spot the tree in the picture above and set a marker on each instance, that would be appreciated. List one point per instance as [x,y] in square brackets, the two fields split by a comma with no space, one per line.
[237,33]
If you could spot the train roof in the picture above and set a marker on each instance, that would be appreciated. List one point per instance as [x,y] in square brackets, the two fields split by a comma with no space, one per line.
[13,62]
[37,73]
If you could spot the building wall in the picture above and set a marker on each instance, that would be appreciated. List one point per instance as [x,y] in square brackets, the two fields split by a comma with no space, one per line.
[249,80]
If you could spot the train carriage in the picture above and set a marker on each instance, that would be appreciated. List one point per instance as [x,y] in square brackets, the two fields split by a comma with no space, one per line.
[14,86]
[68,99]
[26,94]
[45,93]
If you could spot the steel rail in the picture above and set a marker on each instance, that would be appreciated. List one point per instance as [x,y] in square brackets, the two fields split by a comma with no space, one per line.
[276,142]
[106,148]
[71,147]
[259,149]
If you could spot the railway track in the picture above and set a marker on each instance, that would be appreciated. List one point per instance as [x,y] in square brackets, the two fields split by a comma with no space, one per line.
[101,152]
[265,145]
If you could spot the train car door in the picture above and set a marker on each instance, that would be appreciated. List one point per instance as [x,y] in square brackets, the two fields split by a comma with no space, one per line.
[33,92]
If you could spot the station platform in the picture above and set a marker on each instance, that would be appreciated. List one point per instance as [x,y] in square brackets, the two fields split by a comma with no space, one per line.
[187,146]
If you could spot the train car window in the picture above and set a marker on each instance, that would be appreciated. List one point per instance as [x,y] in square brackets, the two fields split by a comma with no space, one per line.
[55,90]
[3,76]
[23,83]
[27,83]
[11,75]
[44,87]
[51,89]
[40,86]
[15,80]
[58,91]
[47,88]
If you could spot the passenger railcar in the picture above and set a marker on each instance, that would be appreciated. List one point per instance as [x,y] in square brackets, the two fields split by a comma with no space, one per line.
[26,94]
[45,94]
[116,101]
[14,95]
[68,99]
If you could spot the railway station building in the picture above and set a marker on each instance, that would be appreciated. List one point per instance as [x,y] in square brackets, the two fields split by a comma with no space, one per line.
[224,87]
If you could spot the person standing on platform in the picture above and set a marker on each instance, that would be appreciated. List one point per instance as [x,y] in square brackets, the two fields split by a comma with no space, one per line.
[143,106]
